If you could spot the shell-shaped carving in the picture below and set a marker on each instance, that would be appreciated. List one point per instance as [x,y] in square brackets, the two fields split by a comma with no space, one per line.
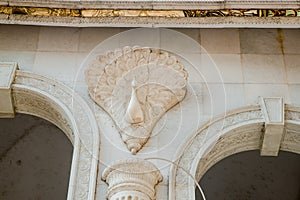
[160,83]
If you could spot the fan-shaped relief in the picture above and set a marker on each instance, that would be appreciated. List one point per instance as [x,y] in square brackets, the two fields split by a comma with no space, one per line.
[136,86]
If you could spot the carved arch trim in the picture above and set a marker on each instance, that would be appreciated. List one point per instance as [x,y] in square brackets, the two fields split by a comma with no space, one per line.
[36,95]
[238,131]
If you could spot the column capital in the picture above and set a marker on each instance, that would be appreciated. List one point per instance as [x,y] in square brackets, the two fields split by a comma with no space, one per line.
[132,179]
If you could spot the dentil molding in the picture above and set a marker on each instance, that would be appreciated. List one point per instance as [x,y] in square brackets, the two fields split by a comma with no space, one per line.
[136,86]
[132,179]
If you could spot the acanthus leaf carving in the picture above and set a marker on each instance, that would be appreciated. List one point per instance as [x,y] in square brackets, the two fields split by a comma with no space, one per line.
[132,179]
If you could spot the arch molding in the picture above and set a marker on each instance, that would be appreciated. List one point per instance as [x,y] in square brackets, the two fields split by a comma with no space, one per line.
[42,97]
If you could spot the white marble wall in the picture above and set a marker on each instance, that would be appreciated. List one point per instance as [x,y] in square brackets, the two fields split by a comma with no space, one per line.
[229,68]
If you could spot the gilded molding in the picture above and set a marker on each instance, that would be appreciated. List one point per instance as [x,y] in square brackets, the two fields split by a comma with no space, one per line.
[100,13]
[242,13]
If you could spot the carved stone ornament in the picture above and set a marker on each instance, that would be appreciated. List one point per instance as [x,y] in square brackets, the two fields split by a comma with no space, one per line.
[132,179]
[240,130]
[51,100]
[136,86]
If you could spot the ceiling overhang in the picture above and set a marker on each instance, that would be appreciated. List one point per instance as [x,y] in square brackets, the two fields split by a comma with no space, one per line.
[155,13]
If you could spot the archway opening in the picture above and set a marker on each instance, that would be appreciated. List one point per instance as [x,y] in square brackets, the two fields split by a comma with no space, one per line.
[35,159]
[249,176]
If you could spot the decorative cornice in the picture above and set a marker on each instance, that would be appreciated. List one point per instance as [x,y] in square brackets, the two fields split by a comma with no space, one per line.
[132,179]
[100,13]
[242,13]
[156,4]
[184,16]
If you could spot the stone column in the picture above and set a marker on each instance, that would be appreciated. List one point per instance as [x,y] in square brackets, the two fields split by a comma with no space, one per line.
[132,179]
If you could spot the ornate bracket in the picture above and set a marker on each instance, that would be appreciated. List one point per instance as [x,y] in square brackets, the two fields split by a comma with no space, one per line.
[136,86]
[132,179]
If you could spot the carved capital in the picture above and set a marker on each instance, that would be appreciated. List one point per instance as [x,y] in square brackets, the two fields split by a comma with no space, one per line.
[132,179]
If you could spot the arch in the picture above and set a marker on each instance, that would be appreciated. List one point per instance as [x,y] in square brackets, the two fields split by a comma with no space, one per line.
[42,97]
[240,130]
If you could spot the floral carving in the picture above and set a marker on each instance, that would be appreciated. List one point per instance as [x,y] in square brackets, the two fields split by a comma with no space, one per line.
[226,146]
[159,82]
[250,124]
[132,179]
[42,108]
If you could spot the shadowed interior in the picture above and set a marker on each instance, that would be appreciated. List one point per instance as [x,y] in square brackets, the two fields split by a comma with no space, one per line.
[35,159]
[248,176]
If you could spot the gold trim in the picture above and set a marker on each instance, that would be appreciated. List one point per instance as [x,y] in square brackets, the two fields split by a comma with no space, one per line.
[242,13]
[98,13]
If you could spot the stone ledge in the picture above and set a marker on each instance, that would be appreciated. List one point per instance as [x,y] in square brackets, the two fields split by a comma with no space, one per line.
[156,4]
[185,22]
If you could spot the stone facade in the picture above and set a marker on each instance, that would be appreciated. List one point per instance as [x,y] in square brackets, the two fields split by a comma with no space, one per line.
[215,111]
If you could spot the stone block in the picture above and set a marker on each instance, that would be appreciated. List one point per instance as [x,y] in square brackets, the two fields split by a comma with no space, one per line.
[260,41]
[223,41]
[263,68]
[7,75]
